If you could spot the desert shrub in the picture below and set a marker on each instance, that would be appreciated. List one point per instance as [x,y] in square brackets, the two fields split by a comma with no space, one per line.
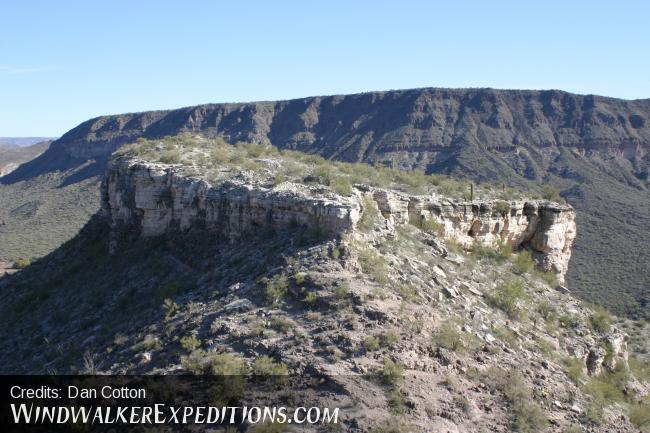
[431,226]
[640,415]
[569,321]
[311,299]
[392,372]
[608,386]
[639,367]
[448,337]
[406,291]
[190,343]
[574,369]
[549,278]
[546,310]
[341,185]
[523,262]
[265,366]
[500,253]
[219,156]
[172,156]
[120,339]
[371,343]
[22,263]
[389,338]
[276,289]
[529,417]
[342,291]
[299,278]
[600,320]
[226,364]
[550,193]
[502,207]
[507,296]
[150,343]
[282,324]
[171,308]
[373,264]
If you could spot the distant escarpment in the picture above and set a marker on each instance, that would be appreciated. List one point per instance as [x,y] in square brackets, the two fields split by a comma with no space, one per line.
[406,128]
[592,149]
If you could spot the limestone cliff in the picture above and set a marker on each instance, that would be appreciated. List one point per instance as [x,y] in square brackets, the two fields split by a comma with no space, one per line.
[150,198]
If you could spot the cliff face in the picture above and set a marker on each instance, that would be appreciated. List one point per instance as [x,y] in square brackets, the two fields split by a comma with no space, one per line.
[152,199]
[409,128]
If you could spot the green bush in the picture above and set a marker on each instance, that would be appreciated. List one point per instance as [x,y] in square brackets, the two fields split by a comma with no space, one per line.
[507,295]
[282,324]
[550,193]
[265,366]
[341,185]
[529,417]
[172,156]
[500,253]
[371,343]
[574,369]
[276,289]
[392,372]
[523,262]
[342,291]
[190,343]
[311,299]
[22,263]
[448,337]
[389,338]
[546,310]
[600,320]
[640,415]
[502,207]
[569,321]
[431,226]
[639,367]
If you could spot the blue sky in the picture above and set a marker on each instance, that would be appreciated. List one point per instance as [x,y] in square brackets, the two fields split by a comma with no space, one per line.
[62,62]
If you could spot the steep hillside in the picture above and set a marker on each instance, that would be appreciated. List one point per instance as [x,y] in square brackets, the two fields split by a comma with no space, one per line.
[593,149]
[12,156]
[23,141]
[428,311]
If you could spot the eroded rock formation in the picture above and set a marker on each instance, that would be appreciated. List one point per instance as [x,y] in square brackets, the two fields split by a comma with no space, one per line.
[152,199]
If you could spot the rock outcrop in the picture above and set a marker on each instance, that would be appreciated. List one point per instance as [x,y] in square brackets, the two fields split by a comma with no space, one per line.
[152,199]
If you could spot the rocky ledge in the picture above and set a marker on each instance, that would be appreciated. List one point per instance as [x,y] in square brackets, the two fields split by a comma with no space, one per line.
[150,199]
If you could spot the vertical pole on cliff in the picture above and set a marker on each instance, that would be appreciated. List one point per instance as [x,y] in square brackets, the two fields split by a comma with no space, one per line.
[503,187]
[471,191]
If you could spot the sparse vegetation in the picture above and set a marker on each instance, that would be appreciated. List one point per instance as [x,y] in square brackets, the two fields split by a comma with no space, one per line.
[600,320]
[22,263]
[507,295]
[190,343]
[265,366]
[448,337]
[392,372]
[276,289]
[523,262]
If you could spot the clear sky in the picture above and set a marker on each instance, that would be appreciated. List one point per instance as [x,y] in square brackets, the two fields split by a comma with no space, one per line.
[62,62]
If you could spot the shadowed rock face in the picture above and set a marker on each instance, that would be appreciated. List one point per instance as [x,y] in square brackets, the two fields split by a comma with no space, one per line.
[410,128]
[594,149]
